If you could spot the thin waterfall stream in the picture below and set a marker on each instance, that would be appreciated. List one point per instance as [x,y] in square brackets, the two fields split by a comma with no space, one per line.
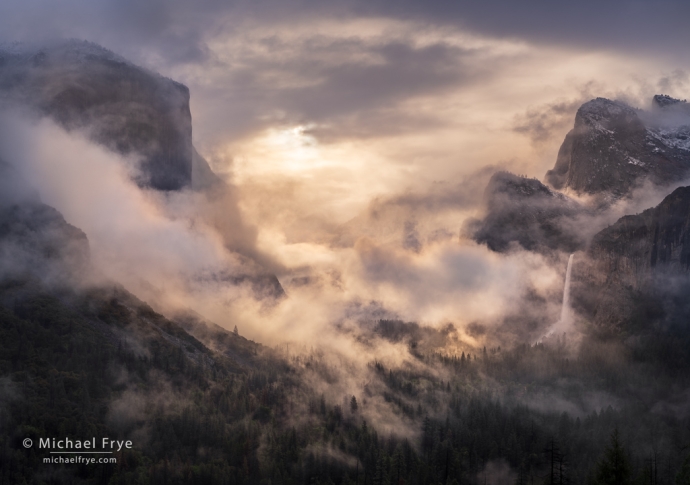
[565,309]
[564,321]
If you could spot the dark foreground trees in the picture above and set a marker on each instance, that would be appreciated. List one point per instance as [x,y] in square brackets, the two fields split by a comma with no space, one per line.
[614,467]
[68,368]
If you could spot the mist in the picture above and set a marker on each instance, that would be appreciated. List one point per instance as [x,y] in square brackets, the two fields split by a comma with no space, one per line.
[343,266]
[339,209]
[169,255]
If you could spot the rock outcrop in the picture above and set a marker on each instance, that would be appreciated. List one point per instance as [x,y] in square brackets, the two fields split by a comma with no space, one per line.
[525,212]
[613,148]
[657,240]
[136,113]
[124,107]
[635,267]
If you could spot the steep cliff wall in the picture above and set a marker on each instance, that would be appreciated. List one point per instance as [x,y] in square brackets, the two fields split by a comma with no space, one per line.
[635,271]
[525,212]
[657,240]
[613,148]
[128,109]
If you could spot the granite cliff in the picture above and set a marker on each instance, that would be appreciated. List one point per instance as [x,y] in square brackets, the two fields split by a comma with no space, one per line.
[636,272]
[613,148]
[136,113]
[525,212]
[129,109]
[658,239]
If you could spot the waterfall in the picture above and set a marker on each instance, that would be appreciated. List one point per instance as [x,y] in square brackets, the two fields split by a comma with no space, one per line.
[565,309]
[563,323]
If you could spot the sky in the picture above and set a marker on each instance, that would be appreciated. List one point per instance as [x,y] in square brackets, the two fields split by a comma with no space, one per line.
[360,134]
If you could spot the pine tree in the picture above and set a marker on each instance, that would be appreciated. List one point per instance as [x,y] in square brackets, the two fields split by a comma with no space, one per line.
[397,465]
[614,467]
[353,404]
[554,458]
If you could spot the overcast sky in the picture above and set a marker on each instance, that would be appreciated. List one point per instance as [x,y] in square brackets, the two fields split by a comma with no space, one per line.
[402,93]
[179,30]
[329,105]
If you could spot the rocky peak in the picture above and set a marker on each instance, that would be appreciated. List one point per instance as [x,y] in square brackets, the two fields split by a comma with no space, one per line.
[128,109]
[604,115]
[509,185]
[614,148]
[523,211]
[664,101]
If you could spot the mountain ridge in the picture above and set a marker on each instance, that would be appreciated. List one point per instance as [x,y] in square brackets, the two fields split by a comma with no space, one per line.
[613,148]
[128,109]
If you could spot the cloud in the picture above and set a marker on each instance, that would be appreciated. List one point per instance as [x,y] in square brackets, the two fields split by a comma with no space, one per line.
[620,25]
[674,82]
[171,30]
[540,123]
[135,236]
[497,472]
[463,194]
[160,248]
[395,70]
[342,79]
[178,30]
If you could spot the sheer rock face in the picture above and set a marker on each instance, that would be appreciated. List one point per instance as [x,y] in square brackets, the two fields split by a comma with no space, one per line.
[657,240]
[636,268]
[525,212]
[613,148]
[134,112]
[128,109]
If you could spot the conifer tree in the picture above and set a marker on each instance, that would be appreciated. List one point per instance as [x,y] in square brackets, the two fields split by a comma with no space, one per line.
[353,404]
[614,467]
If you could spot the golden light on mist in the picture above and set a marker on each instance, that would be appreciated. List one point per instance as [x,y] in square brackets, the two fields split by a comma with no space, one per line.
[308,185]
[314,178]
[288,151]
[289,169]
